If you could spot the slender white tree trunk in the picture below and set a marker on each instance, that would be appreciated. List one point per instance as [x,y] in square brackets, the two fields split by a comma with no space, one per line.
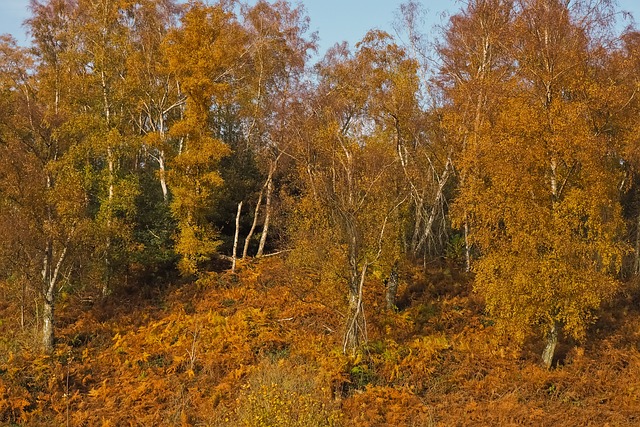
[253,224]
[356,331]
[111,184]
[442,182]
[111,166]
[50,276]
[467,248]
[47,313]
[417,226]
[554,181]
[48,336]
[552,335]
[267,216]
[163,176]
[235,238]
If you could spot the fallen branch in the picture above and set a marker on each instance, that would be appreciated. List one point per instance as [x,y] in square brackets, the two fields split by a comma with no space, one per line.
[277,253]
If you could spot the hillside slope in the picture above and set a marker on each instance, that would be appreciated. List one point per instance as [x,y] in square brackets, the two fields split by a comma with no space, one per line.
[260,349]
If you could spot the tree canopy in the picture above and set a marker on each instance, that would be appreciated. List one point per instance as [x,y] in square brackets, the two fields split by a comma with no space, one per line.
[133,132]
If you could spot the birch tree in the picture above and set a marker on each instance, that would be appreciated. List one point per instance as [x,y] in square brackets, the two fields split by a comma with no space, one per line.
[426,154]
[41,194]
[349,218]
[157,101]
[278,50]
[101,104]
[474,65]
[542,192]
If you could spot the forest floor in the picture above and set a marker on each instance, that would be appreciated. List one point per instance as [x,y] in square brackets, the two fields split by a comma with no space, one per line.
[259,348]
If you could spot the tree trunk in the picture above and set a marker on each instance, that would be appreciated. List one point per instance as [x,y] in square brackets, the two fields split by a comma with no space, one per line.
[107,258]
[467,248]
[253,224]
[417,226]
[106,289]
[48,336]
[48,297]
[163,177]
[351,340]
[49,280]
[550,349]
[235,238]
[442,182]
[111,168]
[267,217]
[392,288]
[356,331]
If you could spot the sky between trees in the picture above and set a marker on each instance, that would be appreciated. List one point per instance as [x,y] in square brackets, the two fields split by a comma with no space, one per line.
[334,20]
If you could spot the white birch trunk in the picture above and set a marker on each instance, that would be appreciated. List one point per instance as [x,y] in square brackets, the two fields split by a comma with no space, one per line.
[415,237]
[111,166]
[163,176]
[107,258]
[48,336]
[356,331]
[235,238]
[552,335]
[467,248]
[50,278]
[554,180]
[267,216]
[432,216]
[253,224]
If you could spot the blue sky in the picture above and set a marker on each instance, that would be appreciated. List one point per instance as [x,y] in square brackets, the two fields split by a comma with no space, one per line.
[335,20]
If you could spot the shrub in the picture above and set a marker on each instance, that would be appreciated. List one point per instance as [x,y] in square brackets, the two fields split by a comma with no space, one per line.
[282,396]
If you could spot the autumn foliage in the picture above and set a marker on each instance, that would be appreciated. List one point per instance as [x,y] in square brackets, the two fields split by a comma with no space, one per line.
[248,350]
[201,227]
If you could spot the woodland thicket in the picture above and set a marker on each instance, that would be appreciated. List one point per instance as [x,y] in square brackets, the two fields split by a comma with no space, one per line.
[203,224]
